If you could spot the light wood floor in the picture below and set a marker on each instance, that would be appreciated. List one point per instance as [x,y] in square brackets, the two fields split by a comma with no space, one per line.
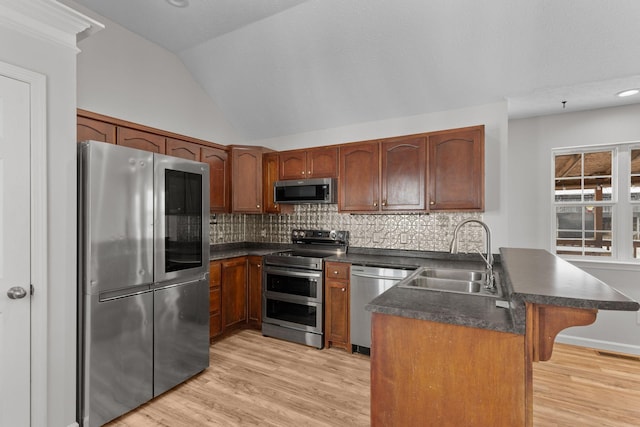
[255,380]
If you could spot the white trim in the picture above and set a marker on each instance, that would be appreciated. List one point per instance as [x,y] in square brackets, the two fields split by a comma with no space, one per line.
[48,20]
[39,231]
[599,344]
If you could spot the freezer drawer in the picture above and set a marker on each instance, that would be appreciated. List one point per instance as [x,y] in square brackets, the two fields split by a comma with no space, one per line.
[118,360]
[181,333]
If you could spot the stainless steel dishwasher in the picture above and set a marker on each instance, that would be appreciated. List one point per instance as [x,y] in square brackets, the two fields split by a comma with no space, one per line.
[366,284]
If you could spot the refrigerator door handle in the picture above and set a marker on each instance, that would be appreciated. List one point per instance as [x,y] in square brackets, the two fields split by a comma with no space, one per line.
[134,290]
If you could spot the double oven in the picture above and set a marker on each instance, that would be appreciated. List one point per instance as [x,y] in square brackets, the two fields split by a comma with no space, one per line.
[292,283]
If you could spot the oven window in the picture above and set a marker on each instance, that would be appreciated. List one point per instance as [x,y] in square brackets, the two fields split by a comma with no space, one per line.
[300,314]
[183,220]
[301,286]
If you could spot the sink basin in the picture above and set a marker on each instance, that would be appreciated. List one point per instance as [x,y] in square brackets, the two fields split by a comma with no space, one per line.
[450,285]
[446,273]
[471,282]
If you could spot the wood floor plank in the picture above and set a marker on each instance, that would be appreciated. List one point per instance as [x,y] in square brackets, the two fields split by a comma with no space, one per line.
[255,380]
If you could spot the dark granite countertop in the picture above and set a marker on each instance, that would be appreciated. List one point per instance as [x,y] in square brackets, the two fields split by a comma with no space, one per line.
[526,275]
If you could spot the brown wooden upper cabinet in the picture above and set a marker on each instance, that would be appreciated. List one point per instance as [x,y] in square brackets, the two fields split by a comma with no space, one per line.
[270,168]
[383,176]
[183,149]
[456,170]
[319,162]
[141,140]
[246,181]
[219,178]
[96,130]
[359,177]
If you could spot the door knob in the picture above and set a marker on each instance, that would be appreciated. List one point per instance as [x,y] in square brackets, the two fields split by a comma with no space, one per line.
[17,292]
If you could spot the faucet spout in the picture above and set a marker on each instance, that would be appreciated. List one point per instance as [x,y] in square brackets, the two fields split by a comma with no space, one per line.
[453,248]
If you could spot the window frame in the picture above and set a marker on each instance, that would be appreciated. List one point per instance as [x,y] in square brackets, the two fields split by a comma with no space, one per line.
[621,203]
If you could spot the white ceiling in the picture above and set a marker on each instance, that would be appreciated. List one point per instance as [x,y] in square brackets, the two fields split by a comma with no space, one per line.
[279,67]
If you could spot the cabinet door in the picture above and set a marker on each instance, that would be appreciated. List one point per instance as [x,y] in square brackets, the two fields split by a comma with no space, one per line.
[183,149]
[255,292]
[456,170]
[141,140]
[270,168]
[219,182]
[95,130]
[293,164]
[337,314]
[322,162]
[359,176]
[234,292]
[215,316]
[403,174]
[247,180]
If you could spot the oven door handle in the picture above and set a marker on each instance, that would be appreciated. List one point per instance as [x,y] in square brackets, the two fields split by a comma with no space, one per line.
[312,275]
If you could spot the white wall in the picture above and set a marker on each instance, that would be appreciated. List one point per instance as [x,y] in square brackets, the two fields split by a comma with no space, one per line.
[529,198]
[57,63]
[123,75]
[493,116]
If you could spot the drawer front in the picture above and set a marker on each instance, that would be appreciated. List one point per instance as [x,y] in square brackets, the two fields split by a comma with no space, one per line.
[215,273]
[337,270]
[214,301]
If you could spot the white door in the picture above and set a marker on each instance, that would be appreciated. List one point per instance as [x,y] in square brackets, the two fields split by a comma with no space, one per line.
[15,299]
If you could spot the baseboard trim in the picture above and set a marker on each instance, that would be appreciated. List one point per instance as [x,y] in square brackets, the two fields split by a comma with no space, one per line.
[599,344]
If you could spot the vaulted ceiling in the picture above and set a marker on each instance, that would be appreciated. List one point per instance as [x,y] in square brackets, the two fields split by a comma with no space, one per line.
[279,67]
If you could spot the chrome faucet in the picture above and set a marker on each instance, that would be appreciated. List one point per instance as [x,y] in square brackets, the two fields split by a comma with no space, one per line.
[453,248]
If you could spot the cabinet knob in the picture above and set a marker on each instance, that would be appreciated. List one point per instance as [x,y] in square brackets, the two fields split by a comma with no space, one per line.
[302,172]
[258,206]
[432,203]
[384,203]
[335,272]
[259,265]
[309,173]
[375,204]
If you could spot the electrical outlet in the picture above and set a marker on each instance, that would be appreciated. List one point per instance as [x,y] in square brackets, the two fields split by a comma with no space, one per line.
[404,239]
[377,237]
[263,232]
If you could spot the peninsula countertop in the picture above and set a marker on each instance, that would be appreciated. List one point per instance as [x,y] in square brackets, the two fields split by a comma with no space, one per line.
[527,275]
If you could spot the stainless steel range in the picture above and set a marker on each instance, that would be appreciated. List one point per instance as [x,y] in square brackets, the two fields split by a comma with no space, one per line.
[292,298]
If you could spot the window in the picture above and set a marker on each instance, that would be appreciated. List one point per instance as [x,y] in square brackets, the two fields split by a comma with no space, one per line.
[596,202]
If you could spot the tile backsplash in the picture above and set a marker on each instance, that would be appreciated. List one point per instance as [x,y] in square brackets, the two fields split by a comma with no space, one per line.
[415,231]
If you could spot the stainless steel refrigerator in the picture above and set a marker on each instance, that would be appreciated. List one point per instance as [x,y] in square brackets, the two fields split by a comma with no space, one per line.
[143,317]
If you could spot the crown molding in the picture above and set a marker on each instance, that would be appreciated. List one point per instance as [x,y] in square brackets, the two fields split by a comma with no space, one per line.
[48,20]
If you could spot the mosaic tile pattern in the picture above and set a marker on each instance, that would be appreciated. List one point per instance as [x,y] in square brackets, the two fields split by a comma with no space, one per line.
[426,232]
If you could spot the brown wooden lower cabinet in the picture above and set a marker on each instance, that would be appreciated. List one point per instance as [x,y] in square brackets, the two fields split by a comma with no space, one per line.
[235,294]
[436,374]
[337,291]
[254,300]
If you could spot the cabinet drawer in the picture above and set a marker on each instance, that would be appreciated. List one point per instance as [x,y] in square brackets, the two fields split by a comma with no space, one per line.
[215,273]
[337,270]
[214,300]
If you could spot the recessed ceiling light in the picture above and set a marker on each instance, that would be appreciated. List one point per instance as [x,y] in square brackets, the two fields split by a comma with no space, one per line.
[178,3]
[628,92]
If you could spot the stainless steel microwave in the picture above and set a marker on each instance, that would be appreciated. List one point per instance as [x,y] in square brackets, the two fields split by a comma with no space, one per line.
[296,191]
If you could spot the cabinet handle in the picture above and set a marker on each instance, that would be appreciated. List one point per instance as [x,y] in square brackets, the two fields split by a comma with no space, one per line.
[432,203]
[259,265]
[384,203]
[309,173]
[342,289]
[302,172]
[375,204]
[258,206]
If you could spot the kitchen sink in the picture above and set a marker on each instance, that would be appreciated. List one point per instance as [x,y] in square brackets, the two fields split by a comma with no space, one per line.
[454,274]
[471,282]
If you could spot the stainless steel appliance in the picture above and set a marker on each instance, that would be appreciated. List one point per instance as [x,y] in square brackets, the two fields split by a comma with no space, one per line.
[143,277]
[292,299]
[316,190]
[366,284]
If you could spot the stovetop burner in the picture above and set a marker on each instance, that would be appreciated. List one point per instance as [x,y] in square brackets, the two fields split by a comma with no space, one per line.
[311,247]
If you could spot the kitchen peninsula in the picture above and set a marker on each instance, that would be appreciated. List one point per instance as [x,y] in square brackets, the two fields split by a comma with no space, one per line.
[456,359]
